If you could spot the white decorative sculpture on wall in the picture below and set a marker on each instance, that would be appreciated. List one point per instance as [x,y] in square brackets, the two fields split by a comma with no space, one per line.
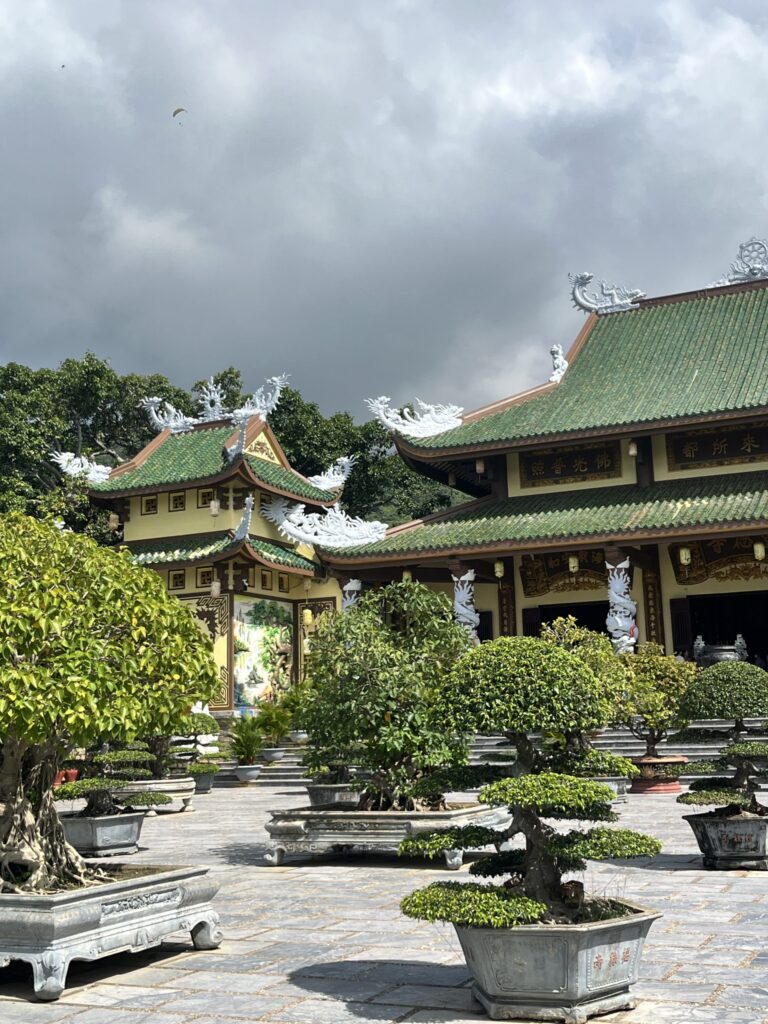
[559,364]
[79,465]
[464,602]
[336,475]
[330,529]
[244,526]
[262,402]
[350,594]
[622,610]
[425,421]
[751,264]
[611,299]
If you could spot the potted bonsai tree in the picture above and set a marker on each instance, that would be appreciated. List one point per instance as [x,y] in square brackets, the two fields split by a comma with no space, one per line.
[537,946]
[110,823]
[202,766]
[273,722]
[652,706]
[94,648]
[735,834]
[376,703]
[245,742]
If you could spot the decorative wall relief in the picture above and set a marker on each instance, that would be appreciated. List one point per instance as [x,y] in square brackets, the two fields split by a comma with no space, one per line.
[263,649]
[725,558]
[721,446]
[570,465]
[542,574]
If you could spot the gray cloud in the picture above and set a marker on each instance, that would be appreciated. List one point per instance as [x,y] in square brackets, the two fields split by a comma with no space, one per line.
[373,195]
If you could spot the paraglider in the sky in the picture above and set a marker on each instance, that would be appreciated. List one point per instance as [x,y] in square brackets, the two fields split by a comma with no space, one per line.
[179,110]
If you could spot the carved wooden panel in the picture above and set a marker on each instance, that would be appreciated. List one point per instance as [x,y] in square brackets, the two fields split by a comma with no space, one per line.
[717,446]
[541,574]
[570,465]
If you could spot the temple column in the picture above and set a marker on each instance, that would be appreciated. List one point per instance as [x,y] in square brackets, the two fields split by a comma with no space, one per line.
[464,600]
[350,594]
[621,622]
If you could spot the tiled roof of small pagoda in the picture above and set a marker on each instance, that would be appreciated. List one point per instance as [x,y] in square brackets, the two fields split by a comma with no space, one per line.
[208,547]
[676,358]
[699,506]
[199,455]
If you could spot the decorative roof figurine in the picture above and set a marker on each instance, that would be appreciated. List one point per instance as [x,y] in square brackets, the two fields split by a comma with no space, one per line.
[559,364]
[426,421]
[335,476]
[622,610]
[243,527]
[751,264]
[611,300]
[261,403]
[330,529]
[79,465]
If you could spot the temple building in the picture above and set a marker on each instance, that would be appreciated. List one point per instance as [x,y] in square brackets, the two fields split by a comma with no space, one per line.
[630,490]
[189,506]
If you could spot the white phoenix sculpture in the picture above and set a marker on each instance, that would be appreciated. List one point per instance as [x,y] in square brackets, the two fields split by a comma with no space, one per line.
[464,602]
[262,402]
[621,623]
[79,465]
[336,475]
[330,529]
[425,421]
[559,364]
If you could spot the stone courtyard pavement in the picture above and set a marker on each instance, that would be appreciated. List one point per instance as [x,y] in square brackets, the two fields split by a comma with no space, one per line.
[323,942]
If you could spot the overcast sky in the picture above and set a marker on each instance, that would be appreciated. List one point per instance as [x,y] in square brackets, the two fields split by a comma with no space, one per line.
[375,196]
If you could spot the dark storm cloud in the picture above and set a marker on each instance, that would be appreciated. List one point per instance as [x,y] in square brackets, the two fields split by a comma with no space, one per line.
[373,196]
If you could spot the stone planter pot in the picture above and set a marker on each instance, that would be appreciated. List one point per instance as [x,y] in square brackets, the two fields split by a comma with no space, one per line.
[736,843]
[556,972]
[247,772]
[618,783]
[324,794]
[181,788]
[108,836]
[298,736]
[49,931]
[270,754]
[651,780]
[204,783]
[318,830]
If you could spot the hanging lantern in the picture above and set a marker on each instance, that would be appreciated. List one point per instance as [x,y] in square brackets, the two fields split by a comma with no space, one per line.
[306,617]
[573,564]
[214,507]
[758,549]
[684,555]
[498,568]
[114,521]
[407,575]
[479,466]
[632,449]
[215,588]
[451,479]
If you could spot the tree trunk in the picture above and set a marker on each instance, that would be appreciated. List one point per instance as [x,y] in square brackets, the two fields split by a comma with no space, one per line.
[542,880]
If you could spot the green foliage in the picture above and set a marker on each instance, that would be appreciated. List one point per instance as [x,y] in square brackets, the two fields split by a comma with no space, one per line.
[197,768]
[126,756]
[458,778]
[752,749]
[657,683]
[245,740]
[199,724]
[596,651]
[729,689]
[506,862]
[523,685]
[607,844]
[147,799]
[674,771]
[712,782]
[464,837]
[378,692]
[104,796]
[82,788]
[553,796]
[478,906]
[592,763]
[273,722]
[719,797]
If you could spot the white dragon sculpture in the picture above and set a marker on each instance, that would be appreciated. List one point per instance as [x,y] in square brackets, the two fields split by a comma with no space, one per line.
[425,421]
[165,416]
[559,364]
[611,300]
[350,594]
[244,526]
[464,603]
[330,529]
[336,475]
[262,402]
[622,610]
[79,465]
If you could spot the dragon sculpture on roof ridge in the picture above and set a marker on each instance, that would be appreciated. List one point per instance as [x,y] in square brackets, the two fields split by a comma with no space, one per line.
[612,299]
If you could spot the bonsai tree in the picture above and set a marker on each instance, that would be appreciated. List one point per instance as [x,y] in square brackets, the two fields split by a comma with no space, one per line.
[378,690]
[245,740]
[522,684]
[103,775]
[93,647]
[273,722]
[197,726]
[657,683]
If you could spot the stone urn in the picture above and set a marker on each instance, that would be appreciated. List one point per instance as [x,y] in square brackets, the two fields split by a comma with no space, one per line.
[321,794]
[271,754]
[652,779]
[247,773]
[204,783]
[737,842]
[556,972]
[107,836]
[298,736]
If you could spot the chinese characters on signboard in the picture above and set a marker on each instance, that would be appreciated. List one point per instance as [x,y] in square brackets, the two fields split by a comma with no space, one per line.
[722,447]
[570,465]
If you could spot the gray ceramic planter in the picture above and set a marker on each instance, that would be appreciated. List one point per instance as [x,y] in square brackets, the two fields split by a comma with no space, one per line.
[247,772]
[309,830]
[180,788]
[108,836]
[272,753]
[323,794]
[556,972]
[738,843]
[87,924]
[204,783]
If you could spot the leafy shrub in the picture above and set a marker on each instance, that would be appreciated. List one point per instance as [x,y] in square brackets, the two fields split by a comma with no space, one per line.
[591,763]
[657,683]
[273,722]
[553,796]
[457,779]
[245,740]
[465,837]
[722,798]
[479,906]
[728,689]
[103,796]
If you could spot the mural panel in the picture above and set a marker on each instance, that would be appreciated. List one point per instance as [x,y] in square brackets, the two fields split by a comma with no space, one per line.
[263,648]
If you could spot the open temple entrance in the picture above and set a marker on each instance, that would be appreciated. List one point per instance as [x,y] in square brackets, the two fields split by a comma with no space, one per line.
[591,614]
[717,618]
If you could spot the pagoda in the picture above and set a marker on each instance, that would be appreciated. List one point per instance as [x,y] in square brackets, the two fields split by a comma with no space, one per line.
[629,490]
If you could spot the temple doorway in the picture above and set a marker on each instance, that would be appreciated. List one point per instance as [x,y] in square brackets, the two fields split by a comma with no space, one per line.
[591,614]
[719,617]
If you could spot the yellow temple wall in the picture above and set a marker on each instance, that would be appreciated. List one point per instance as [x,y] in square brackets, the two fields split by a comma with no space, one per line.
[486,598]
[515,489]
[191,520]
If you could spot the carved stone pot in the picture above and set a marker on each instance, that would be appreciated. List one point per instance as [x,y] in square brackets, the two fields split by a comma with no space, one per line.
[323,794]
[556,972]
[108,836]
[204,783]
[652,779]
[133,913]
[307,830]
[735,843]
[180,787]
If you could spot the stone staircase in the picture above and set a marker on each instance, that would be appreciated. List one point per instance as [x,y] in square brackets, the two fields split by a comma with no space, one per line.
[289,772]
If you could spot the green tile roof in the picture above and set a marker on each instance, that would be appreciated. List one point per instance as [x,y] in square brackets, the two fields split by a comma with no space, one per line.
[289,480]
[202,547]
[699,355]
[612,512]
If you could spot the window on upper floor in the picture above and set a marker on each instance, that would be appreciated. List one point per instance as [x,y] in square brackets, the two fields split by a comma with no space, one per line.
[148,504]
[177,501]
